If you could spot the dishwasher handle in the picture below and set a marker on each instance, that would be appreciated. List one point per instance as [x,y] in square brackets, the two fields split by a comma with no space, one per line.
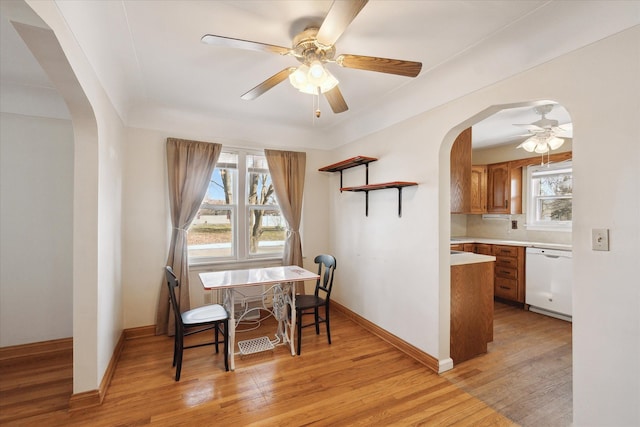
[549,253]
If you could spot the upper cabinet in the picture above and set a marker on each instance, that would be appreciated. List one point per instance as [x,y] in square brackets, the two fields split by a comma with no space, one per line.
[478,190]
[468,183]
[504,188]
[461,173]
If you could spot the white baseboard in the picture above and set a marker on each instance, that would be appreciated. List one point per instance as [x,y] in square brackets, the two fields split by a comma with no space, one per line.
[445,365]
[550,313]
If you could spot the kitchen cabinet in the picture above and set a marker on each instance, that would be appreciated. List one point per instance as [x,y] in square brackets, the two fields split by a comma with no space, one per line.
[509,280]
[504,188]
[478,189]
[461,173]
[476,248]
[510,273]
[483,249]
[471,310]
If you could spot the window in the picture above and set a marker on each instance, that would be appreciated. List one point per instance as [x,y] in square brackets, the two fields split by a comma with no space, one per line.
[550,197]
[239,217]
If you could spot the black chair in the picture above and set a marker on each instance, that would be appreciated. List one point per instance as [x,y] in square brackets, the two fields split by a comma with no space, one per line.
[310,304]
[194,321]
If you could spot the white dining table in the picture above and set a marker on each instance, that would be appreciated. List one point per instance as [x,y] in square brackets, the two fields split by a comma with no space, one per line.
[282,280]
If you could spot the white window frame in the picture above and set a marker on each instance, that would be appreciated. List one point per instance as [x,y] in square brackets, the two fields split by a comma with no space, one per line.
[533,222]
[240,212]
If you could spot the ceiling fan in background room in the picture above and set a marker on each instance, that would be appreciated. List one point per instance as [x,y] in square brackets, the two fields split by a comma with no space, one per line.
[314,48]
[544,134]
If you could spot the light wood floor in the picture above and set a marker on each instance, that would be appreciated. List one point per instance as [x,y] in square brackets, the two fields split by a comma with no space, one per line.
[358,380]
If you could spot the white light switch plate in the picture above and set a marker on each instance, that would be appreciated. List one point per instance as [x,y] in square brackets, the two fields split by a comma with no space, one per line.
[600,239]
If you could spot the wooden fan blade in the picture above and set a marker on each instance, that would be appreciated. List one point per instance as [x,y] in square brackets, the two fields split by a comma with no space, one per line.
[243,44]
[336,101]
[268,84]
[340,15]
[382,65]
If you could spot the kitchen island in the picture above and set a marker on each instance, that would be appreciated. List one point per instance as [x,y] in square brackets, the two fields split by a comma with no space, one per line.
[472,278]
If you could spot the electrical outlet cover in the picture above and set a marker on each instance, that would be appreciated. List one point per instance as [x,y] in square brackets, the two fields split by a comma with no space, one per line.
[600,239]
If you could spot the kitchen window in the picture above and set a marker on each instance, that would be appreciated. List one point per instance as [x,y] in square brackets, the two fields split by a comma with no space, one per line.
[550,197]
[239,218]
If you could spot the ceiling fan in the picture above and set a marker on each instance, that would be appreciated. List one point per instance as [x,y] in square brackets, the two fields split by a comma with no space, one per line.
[314,47]
[544,134]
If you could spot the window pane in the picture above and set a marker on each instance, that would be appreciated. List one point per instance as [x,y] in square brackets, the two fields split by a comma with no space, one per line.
[555,185]
[221,188]
[555,209]
[266,231]
[259,185]
[211,233]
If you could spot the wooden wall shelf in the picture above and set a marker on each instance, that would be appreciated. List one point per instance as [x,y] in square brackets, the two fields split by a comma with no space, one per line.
[363,160]
[350,163]
[382,186]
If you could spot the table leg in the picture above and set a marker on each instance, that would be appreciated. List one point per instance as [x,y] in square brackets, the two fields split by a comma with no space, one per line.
[292,327]
[230,302]
[285,294]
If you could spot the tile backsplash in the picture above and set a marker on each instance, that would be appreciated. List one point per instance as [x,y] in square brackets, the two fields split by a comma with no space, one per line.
[476,226]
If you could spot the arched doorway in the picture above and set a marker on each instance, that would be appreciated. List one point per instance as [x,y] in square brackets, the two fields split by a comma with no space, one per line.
[514,354]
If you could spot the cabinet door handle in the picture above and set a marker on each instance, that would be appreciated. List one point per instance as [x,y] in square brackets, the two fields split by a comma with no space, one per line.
[504,287]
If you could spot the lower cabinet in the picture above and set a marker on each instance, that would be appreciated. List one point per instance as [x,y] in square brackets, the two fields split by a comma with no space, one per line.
[510,273]
[471,310]
[509,282]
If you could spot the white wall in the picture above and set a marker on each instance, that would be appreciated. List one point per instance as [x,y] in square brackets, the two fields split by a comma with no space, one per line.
[36,224]
[397,270]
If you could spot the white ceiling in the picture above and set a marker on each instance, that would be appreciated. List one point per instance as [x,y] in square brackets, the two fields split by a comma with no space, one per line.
[158,75]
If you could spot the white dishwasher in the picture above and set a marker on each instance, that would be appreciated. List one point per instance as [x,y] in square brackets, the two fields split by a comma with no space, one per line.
[549,281]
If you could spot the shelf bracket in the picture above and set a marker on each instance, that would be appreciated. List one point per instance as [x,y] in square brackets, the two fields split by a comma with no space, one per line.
[366,174]
[366,203]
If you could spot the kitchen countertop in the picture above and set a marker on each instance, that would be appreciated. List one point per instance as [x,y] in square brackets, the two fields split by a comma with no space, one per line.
[465,239]
[461,258]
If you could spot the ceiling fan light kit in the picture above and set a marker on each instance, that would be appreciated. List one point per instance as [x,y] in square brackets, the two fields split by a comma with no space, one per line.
[544,133]
[308,79]
[314,48]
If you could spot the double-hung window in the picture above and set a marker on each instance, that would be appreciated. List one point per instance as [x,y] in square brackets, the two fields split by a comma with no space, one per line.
[550,198]
[239,218]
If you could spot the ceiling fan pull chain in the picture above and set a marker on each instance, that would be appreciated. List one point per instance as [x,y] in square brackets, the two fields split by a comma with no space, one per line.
[317,106]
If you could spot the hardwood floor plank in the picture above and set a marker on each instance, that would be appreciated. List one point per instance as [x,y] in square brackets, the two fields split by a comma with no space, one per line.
[357,380]
[526,374]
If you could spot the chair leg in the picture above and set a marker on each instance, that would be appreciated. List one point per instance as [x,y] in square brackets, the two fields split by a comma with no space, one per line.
[217,330]
[299,328]
[317,320]
[326,317]
[180,349]
[175,347]
[226,344]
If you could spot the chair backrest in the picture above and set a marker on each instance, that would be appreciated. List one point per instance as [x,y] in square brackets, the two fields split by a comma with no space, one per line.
[172,283]
[326,267]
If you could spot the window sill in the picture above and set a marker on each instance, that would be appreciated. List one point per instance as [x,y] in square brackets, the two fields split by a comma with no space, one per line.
[206,265]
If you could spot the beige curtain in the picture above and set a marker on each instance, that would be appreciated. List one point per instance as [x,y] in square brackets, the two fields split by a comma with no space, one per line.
[189,166]
[287,170]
